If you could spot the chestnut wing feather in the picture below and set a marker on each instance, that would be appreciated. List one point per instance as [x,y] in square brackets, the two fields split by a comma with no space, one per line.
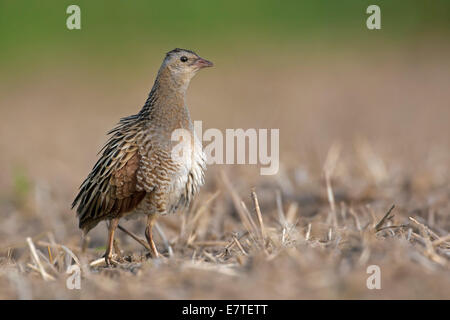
[111,189]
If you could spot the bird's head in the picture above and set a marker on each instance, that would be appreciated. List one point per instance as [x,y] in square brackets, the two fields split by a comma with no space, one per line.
[181,65]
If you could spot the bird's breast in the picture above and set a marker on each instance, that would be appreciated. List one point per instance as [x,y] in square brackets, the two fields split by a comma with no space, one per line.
[171,173]
[190,176]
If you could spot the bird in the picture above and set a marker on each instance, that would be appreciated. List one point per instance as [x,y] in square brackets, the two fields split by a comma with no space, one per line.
[137,173]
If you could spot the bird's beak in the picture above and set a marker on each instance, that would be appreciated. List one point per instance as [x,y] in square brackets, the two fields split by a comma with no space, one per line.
[203,63]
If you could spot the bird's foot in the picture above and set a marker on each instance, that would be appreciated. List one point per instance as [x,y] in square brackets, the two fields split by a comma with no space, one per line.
[110,262]
[154,252]
[156,256]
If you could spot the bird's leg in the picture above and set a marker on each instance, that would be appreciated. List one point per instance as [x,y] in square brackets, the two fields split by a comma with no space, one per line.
[112,227]
[149,234]
[84,241]
[117,249]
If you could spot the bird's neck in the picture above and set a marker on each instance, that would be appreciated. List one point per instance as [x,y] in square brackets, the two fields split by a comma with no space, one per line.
[166,101]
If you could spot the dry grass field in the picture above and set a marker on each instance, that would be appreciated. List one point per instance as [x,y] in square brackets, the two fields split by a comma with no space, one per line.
[359,133]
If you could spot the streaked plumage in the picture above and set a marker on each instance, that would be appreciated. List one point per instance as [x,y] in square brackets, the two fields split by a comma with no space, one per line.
[136,173]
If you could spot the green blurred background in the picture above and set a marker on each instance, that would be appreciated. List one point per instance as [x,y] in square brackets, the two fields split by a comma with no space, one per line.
[34,32]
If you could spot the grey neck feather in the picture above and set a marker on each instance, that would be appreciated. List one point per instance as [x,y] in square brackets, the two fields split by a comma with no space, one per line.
[167,91]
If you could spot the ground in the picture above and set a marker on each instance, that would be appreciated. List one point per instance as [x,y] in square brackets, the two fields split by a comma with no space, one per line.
[359,133]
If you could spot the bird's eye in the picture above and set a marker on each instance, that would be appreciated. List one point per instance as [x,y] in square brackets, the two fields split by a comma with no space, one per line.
[184,59]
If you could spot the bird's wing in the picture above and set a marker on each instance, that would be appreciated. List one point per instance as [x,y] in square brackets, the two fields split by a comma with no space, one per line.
[112,186]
